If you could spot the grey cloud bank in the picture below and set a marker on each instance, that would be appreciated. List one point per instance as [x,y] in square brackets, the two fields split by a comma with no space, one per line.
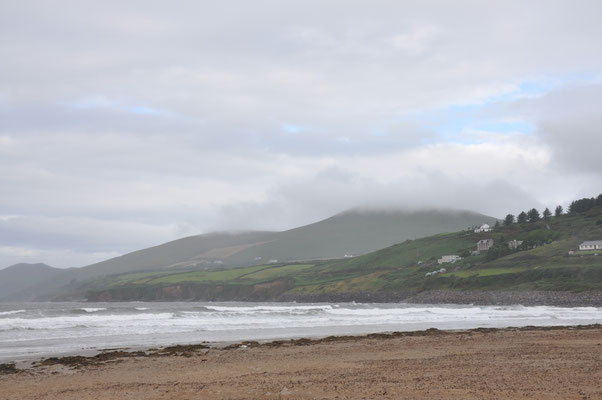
[124,125]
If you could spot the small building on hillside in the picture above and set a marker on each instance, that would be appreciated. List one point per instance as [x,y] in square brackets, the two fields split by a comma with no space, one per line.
[591,245]
[483,228]
[514,244]
[484,244]
[448,259]
[433,273]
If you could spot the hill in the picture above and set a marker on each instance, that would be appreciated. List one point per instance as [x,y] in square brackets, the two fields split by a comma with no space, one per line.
[355,232]
[19,277]
[547,260]
[350,233]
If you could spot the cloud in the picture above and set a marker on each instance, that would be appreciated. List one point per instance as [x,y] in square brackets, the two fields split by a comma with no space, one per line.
[415,41]
[84,233]
[567,121]
[61,258]
[123,125]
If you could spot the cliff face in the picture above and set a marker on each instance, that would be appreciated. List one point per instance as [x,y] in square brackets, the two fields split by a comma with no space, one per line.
[191,291]
[276,291]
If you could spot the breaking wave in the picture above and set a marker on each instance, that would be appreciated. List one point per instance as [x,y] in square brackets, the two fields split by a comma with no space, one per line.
[11,312]
[51,327]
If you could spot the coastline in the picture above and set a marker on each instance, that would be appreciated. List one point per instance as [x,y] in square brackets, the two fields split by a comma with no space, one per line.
[480,298]
[192,292]
[78,359]
[36,330]
[536,362]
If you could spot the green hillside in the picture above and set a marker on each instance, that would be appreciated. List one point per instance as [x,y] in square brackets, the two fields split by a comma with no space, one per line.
[357,232]
[543,262]
[352,233]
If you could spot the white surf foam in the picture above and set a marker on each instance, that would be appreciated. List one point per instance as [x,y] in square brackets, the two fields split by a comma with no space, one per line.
[11,312]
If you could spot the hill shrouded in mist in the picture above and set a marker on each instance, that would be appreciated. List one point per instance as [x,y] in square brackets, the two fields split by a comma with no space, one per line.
[19,277]
[547,266]
[350,233]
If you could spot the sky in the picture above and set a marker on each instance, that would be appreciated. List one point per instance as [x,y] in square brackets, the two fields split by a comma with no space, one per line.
[128,124]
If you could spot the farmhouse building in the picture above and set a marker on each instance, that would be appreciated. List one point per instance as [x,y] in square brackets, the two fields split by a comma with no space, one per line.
[483,228]
[484,245]
[591,245]
[448,259]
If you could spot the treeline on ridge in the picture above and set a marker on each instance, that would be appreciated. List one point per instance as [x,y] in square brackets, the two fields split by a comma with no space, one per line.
[576,206]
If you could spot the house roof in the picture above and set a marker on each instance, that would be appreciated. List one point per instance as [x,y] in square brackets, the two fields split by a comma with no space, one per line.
[591,243]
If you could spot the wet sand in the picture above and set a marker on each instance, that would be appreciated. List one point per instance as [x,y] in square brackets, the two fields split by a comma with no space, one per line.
[527,363]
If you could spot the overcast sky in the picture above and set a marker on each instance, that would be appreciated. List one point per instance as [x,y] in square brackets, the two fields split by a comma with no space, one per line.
[125,124]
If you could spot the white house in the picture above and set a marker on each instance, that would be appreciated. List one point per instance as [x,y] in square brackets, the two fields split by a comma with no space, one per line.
[591,245]
[514,244]
[433,273]
[448,259]
[483,228]
[484,244]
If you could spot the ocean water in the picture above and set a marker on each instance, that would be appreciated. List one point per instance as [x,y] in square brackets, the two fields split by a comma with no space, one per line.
[33,330]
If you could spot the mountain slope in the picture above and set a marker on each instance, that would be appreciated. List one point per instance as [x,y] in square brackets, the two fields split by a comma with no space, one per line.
[185,251]
[357,232]
[19,277]
[352,232]
[544,264]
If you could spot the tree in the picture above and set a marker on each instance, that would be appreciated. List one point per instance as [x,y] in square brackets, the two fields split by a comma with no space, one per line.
[522,217]
[497,251]
[509,220]
[497,224]
[533,215]
[547,214]
[581,205]
[464,253]
[558,211]
[599,200]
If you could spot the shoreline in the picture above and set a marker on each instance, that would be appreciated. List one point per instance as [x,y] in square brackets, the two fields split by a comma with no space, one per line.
[79,359]
[89,326]
[189,292]
[478,298]
[555,363]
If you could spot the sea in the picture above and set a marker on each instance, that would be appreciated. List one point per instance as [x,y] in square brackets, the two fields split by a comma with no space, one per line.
[29,331]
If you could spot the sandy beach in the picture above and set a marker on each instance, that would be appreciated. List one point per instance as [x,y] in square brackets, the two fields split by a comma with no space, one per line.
[534,363]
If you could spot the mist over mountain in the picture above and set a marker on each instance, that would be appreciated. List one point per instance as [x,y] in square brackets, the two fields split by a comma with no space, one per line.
[129,126]
[349,233]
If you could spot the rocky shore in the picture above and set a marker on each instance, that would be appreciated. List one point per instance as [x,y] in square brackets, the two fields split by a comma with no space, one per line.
[526,298]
